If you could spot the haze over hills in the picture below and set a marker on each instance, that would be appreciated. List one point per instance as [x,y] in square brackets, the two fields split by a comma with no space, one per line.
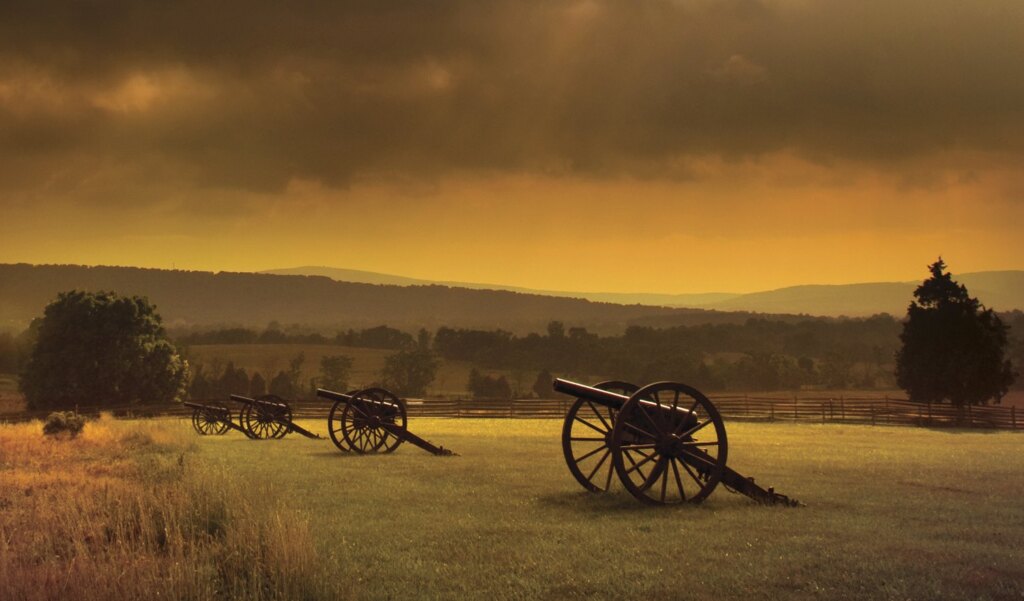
[1000,290]
[698,300]
[197,298]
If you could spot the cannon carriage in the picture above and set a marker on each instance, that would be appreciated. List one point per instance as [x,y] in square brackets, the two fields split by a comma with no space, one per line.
[269,416]
[214,420]
[666,442]
[372,420]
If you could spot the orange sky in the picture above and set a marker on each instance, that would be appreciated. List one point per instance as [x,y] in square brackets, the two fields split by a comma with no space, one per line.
[585,145]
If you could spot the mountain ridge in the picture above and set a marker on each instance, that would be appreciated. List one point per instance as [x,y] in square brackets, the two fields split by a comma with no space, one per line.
[1002,290]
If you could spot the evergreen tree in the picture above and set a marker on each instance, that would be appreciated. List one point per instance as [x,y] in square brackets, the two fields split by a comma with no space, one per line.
[953,347]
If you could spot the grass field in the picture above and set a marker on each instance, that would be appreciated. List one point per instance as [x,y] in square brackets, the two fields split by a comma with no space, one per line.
[892,513]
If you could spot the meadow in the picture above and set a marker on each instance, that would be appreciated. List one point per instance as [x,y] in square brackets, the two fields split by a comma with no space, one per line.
[891,513]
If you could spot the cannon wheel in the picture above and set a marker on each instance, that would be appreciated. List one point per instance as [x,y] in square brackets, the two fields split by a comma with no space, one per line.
[283,414]
[210,422]
[362,418]
[261,421]
[334,423]
[586,433]
[666,461]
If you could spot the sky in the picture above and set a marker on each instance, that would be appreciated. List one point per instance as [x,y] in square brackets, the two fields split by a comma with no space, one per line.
[641,146]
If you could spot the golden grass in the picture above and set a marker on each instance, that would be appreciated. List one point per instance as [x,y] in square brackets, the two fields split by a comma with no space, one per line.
[127,511]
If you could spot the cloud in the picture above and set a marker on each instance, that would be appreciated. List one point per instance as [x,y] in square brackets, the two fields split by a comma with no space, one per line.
[253,95]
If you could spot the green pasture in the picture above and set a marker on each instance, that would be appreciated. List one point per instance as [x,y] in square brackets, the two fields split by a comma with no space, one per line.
[891,513]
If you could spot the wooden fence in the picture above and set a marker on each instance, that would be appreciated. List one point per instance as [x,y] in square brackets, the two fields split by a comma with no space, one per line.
[850,410]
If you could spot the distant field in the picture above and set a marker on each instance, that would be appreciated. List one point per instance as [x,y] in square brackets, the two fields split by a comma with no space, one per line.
[892,513]
[268,359]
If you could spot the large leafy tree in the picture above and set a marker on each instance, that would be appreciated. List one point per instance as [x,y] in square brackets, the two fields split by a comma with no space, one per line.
[408,373]
[953,347]
[101,349]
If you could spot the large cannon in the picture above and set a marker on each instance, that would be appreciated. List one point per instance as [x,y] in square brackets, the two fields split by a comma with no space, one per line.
[269,416]
[665,441]
[371,421]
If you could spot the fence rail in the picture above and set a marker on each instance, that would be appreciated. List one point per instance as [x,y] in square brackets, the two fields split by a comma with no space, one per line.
[851,410]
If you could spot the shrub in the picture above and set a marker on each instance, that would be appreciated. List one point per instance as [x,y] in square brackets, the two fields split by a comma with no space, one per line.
[59,422]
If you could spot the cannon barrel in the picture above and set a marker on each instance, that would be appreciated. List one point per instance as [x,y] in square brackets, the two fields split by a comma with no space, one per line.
[203,407]
[248,401]
[346,398]
[582,391]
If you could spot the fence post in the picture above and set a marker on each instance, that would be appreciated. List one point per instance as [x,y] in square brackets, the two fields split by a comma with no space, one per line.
[1013,417]
[823,413]
[872,414]
[970,418]
[842,408]
[888,417]
[746,407]
[796,414]
[929,413]
[771,412]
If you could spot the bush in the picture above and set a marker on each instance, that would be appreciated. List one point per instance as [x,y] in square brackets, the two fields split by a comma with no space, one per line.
[60,422]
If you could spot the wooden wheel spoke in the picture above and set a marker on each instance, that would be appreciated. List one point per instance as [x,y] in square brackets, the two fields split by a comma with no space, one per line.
[695,443]
[588,438]
[650,420]
[697,428]
[588,424]
[679,481]
[636,466]
[639,430]
[607,426]
[604,457]
[700,457]
[689,471]
[633,462]
[590,454]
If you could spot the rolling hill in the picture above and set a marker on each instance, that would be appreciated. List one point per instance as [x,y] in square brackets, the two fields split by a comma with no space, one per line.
[196,298]
[1001,290]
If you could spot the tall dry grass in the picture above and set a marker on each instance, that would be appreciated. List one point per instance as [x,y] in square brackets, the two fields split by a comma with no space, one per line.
[128,511]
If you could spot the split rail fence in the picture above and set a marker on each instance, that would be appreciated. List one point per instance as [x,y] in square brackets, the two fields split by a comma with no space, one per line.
[850,410]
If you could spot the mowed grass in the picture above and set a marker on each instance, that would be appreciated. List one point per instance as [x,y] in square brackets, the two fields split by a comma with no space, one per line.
[892,513]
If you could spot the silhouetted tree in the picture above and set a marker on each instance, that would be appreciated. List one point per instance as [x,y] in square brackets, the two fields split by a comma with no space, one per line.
[487,387]
[408,373]
[257,385]
[281,385]
[234,380]
[101,349]
[334,372]
[953,347]
[542,385]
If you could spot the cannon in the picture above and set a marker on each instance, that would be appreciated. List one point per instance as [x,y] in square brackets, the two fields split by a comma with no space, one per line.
[665,441]
[213,420]
[268,416]
[371,421]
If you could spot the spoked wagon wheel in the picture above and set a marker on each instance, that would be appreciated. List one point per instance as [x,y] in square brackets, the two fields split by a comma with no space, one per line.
[586,433]
[334,423]
[210,422]
[264,421]
[668,444]
[364,417]
[280,414]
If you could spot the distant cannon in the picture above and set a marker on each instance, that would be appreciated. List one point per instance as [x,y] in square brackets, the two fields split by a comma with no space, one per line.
[665,441]
[214,420]
[269,416]
[371,421]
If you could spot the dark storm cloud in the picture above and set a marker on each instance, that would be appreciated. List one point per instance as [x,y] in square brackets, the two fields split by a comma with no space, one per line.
[253,94]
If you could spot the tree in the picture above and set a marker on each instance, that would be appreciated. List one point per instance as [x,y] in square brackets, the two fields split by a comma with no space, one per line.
[101,349]
[334,372]
[542,385]
[281,385]
[487,387]
[257,385]
[408,373]
[953,347]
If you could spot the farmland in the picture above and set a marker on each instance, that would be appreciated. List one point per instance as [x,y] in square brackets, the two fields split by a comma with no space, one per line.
[892,513]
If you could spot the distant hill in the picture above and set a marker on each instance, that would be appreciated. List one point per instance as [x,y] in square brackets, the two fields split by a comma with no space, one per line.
[1001,290]
[622,298]
[197,298]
